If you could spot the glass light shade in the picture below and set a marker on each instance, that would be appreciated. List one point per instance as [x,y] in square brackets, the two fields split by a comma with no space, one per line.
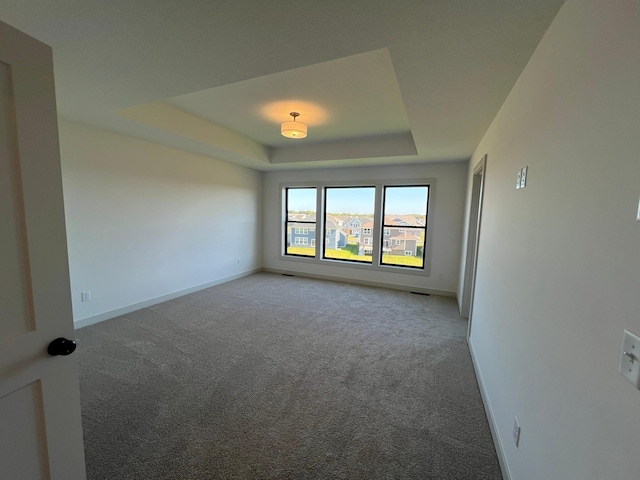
[293,129]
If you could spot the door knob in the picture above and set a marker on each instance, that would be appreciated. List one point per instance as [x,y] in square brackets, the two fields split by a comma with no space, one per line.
[61,346]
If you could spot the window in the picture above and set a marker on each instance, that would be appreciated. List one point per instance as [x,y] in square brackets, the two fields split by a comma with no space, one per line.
[406,206]
[300,222]
[348,231]
[355,204]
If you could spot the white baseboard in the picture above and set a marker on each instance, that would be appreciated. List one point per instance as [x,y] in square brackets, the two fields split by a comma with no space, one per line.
[85,322]
[497,441]
[369,283]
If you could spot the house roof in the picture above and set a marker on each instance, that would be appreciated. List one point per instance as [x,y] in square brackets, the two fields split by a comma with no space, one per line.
[330,223]
[405,236]
[376,82]
[404,220]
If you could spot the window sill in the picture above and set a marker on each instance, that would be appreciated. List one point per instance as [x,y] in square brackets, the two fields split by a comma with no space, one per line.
[423,272]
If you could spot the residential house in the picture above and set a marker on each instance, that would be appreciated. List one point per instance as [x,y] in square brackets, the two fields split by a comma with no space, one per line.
[335,238]
[352,227]
[302,234]
[366,238]
[405,243]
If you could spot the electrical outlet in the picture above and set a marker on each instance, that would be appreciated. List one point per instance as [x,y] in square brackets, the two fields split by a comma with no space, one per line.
[518,179]
[516,432]
[86,296]
[630,361]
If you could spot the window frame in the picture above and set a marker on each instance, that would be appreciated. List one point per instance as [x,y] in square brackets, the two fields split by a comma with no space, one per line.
[406,227]
[285,198]
[379,185]
[358,234]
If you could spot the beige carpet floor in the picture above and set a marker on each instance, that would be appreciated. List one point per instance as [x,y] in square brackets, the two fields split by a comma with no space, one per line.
[276,377]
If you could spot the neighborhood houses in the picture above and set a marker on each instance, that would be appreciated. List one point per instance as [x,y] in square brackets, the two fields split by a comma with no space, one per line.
[402,236]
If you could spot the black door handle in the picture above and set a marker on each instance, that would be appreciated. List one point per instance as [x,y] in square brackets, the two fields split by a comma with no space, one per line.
[61,346]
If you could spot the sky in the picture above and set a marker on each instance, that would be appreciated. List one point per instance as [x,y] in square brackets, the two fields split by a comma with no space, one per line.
[399,200]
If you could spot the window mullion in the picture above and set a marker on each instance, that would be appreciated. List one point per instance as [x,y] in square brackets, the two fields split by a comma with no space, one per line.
[320,223]
[378,217]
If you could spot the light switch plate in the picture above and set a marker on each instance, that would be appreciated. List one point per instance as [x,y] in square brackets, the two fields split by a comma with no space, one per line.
[516,432]
[630,361]
[518,179]
[523,177]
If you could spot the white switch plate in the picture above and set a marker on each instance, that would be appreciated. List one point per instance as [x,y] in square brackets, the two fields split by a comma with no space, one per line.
[518,179]
[630,361]
[516,432]
[86,296]
[523,177]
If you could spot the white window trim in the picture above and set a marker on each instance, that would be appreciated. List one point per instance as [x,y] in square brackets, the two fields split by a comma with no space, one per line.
[376,264]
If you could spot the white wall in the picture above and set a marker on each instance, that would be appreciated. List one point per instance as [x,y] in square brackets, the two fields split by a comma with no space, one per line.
[446,211]
[145,221]
[559,262]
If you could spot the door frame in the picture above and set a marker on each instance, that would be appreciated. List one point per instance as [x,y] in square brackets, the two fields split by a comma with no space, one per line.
[473,241]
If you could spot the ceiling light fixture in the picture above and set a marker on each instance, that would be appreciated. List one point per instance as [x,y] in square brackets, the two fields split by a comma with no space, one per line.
[293,129]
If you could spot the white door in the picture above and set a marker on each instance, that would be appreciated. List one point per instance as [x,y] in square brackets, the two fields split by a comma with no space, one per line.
[40,426]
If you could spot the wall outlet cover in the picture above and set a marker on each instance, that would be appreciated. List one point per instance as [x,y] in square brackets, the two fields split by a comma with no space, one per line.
[518,179]
[523,177]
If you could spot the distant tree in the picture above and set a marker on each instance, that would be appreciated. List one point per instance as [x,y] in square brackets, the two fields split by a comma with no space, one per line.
[352,247]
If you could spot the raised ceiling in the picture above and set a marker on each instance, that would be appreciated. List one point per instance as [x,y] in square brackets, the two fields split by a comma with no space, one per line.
[377,82]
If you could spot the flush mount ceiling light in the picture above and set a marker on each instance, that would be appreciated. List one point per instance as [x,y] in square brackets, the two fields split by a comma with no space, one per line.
[293,129]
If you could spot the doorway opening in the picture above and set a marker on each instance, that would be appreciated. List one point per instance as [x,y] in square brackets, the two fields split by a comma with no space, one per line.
[473,237]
